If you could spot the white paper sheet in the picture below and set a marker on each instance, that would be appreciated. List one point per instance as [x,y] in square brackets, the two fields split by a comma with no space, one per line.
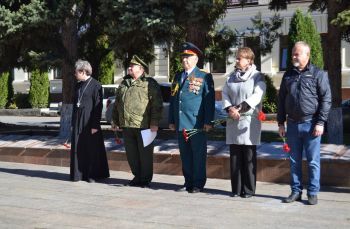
[148,136]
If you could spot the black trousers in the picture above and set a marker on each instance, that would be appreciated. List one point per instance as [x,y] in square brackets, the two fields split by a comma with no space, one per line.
[243,169]
[140,158]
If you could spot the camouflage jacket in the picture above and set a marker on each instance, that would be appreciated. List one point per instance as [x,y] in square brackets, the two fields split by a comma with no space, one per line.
[138,104]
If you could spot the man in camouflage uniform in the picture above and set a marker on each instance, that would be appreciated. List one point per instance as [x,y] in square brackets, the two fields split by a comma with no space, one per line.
[138,106]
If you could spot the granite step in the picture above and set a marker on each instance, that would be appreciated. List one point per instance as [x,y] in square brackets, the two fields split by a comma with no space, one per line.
[273,163]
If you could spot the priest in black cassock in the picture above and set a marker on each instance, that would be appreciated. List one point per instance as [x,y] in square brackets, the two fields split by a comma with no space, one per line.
[88,153]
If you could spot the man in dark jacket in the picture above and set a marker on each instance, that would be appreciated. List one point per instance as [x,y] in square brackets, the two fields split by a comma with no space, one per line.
[304,102]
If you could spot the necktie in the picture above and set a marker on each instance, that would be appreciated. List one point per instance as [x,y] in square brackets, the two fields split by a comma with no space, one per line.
[183,78]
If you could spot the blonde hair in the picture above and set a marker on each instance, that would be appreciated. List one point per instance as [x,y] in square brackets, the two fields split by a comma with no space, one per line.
[246,52]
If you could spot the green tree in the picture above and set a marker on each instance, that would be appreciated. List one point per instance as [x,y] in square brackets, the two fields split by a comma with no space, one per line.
[133,27]
[4,79]
[302,28]
[39,89]
[54,33]
[107,63]
[49,34]
[220,40]
[270,98]
[343,22]
[267,31]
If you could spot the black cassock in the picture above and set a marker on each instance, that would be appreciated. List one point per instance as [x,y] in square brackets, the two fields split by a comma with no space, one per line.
[88,153]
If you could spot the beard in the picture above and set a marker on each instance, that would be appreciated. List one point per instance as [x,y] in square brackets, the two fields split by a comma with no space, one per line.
[296,64]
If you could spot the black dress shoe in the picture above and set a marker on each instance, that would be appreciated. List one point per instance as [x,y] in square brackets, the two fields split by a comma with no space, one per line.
[234,195]
[293,197]
[312,199]
[196,190]
[145,184]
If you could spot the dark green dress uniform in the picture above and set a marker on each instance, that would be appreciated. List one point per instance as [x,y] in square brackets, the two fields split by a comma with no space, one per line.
[138,105]
[192,105]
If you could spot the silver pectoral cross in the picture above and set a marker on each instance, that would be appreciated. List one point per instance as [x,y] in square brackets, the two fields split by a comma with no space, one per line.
[78,104]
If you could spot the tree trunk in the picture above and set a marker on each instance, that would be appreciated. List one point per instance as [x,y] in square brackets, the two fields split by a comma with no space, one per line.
[334,74]
[197,35]
[334,54]
[70,43]
[335,126]
[94,55]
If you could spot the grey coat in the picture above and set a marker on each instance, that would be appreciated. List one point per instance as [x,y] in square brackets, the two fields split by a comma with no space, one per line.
[249,88]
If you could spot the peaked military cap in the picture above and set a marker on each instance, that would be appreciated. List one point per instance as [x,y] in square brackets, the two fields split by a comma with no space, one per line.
[138,61]
[190,49]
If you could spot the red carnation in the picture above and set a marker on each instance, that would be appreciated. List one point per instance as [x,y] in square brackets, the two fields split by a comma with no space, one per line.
[185,135]
[286,147]
[261,116]
[118,141]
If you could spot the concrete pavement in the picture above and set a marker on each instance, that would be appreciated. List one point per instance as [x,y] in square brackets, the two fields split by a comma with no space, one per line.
[40,196]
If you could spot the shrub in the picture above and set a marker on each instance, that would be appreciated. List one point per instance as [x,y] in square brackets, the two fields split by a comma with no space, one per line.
[39,89]
[106,68]
[302,28]
[270,98]
[4,79]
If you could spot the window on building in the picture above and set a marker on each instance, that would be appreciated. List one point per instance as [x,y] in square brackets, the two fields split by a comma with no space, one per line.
[254,44]
[283,52]
[219,65]
[57,73]
[29,75]
[235,3]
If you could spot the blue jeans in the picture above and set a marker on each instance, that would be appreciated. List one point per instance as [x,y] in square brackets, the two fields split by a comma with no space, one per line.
[300,139]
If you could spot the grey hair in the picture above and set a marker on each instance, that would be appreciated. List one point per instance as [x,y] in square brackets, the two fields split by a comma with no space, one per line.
[303,43]
[83,65]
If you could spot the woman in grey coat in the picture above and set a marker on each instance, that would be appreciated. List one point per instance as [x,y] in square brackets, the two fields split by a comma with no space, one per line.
[242,96]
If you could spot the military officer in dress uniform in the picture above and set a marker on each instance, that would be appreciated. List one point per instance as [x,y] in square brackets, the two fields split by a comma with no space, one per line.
[138,106]
[192,106]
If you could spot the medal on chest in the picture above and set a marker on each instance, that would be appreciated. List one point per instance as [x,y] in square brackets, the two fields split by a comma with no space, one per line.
[195,84]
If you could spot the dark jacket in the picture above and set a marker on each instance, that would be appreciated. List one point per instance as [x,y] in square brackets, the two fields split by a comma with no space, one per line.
[304,95]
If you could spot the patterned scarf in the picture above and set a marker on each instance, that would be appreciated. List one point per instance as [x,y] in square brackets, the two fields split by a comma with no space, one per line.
[241,76]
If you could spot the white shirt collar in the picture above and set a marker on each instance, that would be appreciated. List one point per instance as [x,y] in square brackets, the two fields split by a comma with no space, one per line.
[190,70]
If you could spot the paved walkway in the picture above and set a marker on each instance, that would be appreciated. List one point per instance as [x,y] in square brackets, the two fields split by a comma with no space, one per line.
[38,196]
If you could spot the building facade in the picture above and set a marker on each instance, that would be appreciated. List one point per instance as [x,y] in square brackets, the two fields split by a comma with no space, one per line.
[237,18]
